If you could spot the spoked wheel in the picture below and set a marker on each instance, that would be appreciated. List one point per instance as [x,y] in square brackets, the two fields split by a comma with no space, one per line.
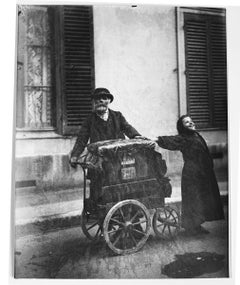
[166,223]
[92,226]
[127,226]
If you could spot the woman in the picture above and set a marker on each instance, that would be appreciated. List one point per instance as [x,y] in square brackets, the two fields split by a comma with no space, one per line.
[200,193]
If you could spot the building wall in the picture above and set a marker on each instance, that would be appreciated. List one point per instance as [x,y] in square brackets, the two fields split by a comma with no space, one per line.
[136,59]
[43,160]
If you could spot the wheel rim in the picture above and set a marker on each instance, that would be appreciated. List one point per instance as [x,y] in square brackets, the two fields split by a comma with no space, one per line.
[126,227]
[166,223]
[91,226]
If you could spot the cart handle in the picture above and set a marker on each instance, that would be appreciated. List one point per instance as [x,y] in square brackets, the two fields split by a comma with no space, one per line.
[82,162]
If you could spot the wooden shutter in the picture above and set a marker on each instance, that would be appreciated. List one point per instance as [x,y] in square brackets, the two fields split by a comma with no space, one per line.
[78,66]
[219,70]
[205,46]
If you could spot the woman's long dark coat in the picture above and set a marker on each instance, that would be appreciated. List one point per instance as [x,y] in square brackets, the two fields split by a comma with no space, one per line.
[200,193]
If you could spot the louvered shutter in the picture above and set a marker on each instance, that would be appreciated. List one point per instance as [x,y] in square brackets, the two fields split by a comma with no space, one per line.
[219,70]
[205,46]
[78,66]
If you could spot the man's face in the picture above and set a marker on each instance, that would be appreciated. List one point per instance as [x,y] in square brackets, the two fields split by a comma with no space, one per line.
[101,104]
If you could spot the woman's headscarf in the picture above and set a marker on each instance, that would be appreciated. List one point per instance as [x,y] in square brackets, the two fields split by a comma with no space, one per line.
[180,127]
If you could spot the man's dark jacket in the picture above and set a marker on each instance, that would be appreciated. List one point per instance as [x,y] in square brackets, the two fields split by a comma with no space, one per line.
[96,129]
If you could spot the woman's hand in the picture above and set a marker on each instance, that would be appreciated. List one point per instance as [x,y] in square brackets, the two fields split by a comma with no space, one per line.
[152,142]
[141,137]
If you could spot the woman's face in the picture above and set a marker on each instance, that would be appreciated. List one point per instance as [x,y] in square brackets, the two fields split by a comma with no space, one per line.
[188,123]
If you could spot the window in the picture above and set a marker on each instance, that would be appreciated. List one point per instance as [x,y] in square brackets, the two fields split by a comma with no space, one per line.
[55,67]
[204,48]
[34,77]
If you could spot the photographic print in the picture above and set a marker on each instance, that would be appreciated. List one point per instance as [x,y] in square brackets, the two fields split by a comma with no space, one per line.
[121,142]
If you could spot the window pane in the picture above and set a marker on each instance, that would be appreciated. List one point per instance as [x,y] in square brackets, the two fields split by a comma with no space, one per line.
[37,62]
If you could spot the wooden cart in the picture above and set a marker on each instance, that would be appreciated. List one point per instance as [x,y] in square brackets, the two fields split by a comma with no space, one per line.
[127,181]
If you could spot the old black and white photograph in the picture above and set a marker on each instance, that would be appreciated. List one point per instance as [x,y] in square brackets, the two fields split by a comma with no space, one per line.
[121,142]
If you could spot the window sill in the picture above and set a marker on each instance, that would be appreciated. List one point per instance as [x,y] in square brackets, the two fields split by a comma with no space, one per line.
[211,129]
[25,134]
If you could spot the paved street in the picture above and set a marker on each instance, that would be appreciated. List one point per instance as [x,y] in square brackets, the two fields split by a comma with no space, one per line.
[67,253]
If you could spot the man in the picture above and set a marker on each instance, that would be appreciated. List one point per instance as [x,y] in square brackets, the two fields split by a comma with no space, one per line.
[102,124]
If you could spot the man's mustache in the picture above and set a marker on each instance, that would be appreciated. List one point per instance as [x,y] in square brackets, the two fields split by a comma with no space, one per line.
[100,105]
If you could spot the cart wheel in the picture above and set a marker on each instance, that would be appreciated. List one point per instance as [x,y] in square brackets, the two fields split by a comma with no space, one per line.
[166,222]
[127,226]
[91,226]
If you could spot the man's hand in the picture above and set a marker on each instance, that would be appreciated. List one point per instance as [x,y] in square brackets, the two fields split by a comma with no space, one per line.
[73,161]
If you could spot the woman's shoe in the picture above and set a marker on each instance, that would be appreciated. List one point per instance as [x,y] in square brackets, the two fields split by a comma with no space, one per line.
[201,230]
[195,231]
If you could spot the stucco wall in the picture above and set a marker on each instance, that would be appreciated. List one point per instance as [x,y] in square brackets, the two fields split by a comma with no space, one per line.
[135,57]
[48,172]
